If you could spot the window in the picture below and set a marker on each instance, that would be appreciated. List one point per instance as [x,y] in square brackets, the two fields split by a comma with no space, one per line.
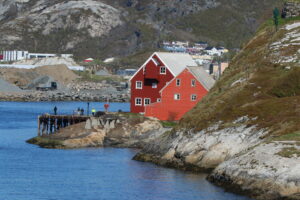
[178,82]
[177,96]
[193,83]
[138,101]
[147,101]
[193,97]
[139,85]
[154,85]
[158,100]
[163,70]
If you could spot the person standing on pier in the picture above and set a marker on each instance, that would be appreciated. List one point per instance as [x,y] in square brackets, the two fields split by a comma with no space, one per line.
[93,111]
[55,110]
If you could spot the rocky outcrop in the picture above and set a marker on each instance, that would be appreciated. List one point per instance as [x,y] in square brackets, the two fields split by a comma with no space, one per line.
[105,28]
[113,130]
[291,9]
[46,17]
[27,96]
[268,171]
[203,150]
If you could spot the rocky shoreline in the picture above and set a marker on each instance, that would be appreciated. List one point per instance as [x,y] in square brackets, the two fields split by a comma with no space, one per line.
[32,96]
[237,159]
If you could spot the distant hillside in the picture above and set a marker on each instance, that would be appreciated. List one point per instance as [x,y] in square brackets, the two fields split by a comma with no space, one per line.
[104,28]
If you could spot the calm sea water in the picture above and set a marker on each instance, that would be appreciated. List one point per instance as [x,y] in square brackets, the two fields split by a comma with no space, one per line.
[28,172]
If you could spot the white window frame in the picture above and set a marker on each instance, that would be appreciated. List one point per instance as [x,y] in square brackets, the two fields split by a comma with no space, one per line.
[145,99]
[164,72]
[177,96]
[193,83]
[136,85]
[178,82]
[141,100]
[193,97]
[154,85]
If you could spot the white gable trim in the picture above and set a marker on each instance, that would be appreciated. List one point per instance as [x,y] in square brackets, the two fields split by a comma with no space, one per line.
[150,58]
[165,64]
[175,77]
[179,75]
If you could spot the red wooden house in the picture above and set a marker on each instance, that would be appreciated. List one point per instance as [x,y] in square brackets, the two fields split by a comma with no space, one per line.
[181,94]
[154,75]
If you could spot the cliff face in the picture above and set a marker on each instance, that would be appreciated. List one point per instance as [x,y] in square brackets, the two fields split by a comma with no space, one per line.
[103,28]
[247,127]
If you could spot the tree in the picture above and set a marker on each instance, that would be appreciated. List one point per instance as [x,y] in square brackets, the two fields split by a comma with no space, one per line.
[276,17]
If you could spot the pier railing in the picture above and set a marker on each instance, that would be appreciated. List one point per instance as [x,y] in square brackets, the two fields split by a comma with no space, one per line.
[49,124]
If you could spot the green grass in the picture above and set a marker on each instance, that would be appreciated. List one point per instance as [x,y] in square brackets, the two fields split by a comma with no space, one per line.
[168,124]
[288,85]
[289,152]
[288,137]
[269,94]
[282,21]
[297,1]
[46,142]
[87,76]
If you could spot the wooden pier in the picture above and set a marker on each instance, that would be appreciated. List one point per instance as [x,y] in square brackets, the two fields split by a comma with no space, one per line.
[49,124]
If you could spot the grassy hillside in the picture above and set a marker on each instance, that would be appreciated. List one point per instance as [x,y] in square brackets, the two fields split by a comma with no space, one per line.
[262,83]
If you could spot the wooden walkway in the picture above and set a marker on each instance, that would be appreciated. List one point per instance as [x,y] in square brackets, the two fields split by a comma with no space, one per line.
[49,124]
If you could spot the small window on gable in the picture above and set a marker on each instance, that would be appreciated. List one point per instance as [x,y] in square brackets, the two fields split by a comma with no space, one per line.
[178,82]
[193,83]
[163,70]
[193,97]
[155,61]
[138,101]
[147,101]
[158,100]
[154,85]
[139,85]
[177,96]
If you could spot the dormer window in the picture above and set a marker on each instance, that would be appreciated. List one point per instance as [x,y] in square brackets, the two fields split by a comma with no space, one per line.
[163,70]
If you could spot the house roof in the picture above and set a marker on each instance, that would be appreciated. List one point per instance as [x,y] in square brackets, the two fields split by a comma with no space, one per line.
[176,62]
[202,76]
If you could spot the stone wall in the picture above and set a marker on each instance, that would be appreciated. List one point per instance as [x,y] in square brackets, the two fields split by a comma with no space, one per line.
[291,9]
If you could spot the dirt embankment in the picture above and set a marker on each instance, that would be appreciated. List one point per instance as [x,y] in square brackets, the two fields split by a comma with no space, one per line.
[22,77]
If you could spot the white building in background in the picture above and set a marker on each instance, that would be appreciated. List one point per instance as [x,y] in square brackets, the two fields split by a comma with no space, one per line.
[23,55]
[14,55]
[47,55]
